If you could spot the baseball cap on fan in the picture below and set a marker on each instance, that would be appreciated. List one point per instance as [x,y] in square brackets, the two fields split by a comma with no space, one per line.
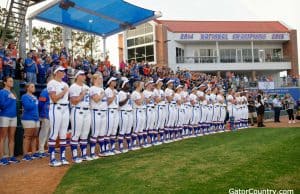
[159,80]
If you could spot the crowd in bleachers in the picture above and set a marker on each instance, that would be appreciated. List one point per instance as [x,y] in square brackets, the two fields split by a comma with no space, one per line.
[39,64]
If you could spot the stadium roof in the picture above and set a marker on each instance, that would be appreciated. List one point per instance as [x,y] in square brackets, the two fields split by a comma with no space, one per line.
[180,26]
[100,17]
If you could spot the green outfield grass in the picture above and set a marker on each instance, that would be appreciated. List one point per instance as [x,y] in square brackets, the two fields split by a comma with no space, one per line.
[252,158]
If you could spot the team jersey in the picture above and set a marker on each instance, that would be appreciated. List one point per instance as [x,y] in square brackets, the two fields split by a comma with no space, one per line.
[8,104]
[44,102]
[57,87]
[177,97]
[169,93]
[220,99]
[136,96]
[185,97]
[193,99]
[159,94]
[102,104]
[149,96]
[213,98]
[110,93]
[30,106]
[200,93]
[75,91]
[123,96]
[229,99]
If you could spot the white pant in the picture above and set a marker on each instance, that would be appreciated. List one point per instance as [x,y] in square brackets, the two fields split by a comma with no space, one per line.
[172,110]
[187,114]
[59,121]
[44,134]
[222,114]
[112,122]
[139,120]
[126,122]
[150,118]
[80,123]
[216,113]
[196,115]
[99,122]
[180,117]
[161,116]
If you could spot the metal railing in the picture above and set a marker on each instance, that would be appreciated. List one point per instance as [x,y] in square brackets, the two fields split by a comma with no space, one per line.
[212,59]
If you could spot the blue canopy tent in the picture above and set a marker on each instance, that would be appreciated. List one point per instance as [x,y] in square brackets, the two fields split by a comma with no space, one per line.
[99,17]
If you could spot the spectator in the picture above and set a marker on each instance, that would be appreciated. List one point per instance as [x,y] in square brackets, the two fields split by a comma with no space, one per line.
[277,107]
[42,69]
[31,69]
[1,67]
[30,122]
[19,69]
[252,110]
[260,111]
[8,65]
[44,103]
[290,107]
[8,120]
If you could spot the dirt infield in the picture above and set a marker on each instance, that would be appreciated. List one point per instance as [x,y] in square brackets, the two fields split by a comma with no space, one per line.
[37,177]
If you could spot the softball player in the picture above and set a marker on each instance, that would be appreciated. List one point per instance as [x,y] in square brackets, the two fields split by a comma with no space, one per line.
[203,109]
[238,108]
[126,116]
[245,110]
[80,117]
[8,120]
[30,122]
[113,115]
[139,115]
[171,120]
[150,113]
[216,109]
[222,117]
[58,115]
[161,114]
[187,111]
[179,113]
[231,107]
[195,111]
[99,115]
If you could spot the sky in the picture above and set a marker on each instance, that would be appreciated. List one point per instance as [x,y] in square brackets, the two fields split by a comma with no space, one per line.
[275,10]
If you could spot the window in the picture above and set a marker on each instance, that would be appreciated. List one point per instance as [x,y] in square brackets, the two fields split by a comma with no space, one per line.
[228,55]
[140,43]
[247,55]
[142,53]
[179,55]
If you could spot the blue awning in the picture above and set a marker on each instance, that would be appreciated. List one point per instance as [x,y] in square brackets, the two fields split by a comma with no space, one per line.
[100,17]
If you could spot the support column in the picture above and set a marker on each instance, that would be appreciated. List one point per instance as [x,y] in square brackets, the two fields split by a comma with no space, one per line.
[30,34]
[125,52]
[254,75]
[67,38]
[22,43]
[218,52]
[252,51]
[104,47]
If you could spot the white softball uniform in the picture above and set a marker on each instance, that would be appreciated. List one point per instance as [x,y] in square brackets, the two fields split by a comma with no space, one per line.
[126,114]
[150,111]
[139,113]
[171,120]
[80,115]
[58,113]
[99,114]
[161,109]
[113,113]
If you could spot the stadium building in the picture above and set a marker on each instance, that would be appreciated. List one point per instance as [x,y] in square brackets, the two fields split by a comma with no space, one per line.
[253,48]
